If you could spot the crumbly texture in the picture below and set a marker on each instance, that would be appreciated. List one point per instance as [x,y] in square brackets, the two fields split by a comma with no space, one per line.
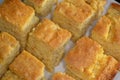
[17,19]
[87,61]
[61,76]
[73,18]
[97,5]
[27,66]
[42,7]
[48,39]
[9,49]
[10,76]
[107,31]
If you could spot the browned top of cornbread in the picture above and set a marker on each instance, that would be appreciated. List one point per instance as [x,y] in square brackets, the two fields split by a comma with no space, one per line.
[61,76]
[108,25]
[7,44]
[51,33]
[102,28]
[87,60]
[36,2]
[83,54]
[76,2]
[27,67]
[77,14]
[16,13]
[110,70]
[115,6]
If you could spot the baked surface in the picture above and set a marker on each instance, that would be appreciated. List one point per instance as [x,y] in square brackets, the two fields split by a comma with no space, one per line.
[97,5]
[16,13]
[27,67]
[57,36]
[74,18]
[48,39]
[61,76]
[107,31]
[17,19]
[89,62]
[42,7]
[10,76]
[9,49]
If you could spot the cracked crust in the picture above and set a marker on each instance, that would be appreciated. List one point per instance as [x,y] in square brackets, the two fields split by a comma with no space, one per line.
[57,36]
[87,61]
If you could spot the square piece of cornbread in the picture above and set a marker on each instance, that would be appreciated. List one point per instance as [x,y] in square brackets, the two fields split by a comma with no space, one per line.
[10,76]
[73,18]
[42,7]
[17,19]
[9,49]
[86,61]
[107,31]
[61,76]
[25,67]
[47,43]
[97,5]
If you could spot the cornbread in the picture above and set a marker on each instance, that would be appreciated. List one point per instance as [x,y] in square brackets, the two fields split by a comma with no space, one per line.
[73,18]
[25,67]
[42,7]
[9,48]
[97,5]
[10,76]
[17,19]
[107,31]
[86,61]
[47,42]
[61,76]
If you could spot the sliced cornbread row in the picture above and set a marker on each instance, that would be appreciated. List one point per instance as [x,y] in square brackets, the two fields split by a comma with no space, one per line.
[77,17]
[9,49]
[47,42]
[42,7]
[25,67]
[107,31]
[86,61]
[17,19]
[61,76]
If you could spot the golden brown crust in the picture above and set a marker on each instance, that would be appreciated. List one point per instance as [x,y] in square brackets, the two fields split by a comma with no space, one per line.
[27,67]
[87,61]
[102,28]
[36,2]
[108,26]
[77,14]
[51,33]
[83,54]
[15,12]
[110,70]
[115,6]
[96,5]
[7,43]
[61,76]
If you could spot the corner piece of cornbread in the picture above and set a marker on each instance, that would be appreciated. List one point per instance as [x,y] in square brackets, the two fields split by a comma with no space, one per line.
[42,7]
[27,67]
[107,31]
[61,76]
[73,18]
[9,49]
[17,19]
[47,43]
[86,61]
